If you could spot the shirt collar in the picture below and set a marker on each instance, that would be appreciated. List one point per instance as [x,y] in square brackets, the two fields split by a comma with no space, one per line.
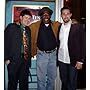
[46,25]
[22,27]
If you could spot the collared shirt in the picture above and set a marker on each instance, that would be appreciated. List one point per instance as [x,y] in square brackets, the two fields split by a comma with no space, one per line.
[63,54]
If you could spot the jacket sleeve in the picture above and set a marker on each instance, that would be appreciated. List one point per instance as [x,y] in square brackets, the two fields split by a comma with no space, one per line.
[58,43]
[82,40]
[7,41]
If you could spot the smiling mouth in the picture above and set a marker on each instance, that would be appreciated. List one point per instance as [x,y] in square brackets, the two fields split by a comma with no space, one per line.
[46,19]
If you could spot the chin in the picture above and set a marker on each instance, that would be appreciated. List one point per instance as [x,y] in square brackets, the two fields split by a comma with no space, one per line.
[46,22]
[66,21]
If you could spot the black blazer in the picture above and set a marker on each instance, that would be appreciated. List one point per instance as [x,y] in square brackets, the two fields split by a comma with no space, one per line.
[13,42]
[76,42]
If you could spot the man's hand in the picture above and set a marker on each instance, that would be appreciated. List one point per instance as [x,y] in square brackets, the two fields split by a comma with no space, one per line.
[78,65]
[7,62]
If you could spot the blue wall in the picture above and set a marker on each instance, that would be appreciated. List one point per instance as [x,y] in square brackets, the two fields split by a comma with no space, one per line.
[11,3]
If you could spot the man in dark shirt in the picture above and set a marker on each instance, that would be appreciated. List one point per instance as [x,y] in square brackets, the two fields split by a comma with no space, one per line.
[17,58]
[43,42]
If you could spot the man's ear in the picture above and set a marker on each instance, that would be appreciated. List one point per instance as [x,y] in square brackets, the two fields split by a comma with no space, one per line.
[71,14]
[20,17]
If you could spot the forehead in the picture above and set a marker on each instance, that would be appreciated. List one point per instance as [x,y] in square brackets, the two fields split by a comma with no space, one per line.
[46,12]
[65,11]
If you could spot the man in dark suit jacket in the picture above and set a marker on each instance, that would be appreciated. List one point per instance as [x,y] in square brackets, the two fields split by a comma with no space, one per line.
[17,65]
[70,51]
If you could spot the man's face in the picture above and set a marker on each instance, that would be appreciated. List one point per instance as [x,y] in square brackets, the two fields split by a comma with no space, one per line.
[46,17]
[25,20]
[66,15]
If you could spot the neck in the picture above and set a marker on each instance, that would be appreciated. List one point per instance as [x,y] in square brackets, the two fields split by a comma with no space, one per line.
[22,24]
[48,22]
[65,23]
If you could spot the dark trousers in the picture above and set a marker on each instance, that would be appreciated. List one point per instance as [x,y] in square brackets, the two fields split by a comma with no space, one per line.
[18,72]
[68,75]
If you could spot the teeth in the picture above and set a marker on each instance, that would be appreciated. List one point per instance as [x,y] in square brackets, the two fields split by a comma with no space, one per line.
[46,19]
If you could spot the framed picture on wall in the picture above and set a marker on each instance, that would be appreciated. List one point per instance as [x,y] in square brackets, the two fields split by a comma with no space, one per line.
[34,9]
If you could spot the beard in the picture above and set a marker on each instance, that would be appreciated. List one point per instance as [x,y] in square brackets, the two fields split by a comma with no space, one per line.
[66,20]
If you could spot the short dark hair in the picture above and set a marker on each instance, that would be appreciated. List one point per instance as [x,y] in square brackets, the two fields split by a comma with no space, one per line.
[66,8]
[25,12]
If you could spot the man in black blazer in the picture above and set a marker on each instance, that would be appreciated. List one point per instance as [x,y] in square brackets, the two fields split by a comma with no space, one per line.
[70,51]
[17,65]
